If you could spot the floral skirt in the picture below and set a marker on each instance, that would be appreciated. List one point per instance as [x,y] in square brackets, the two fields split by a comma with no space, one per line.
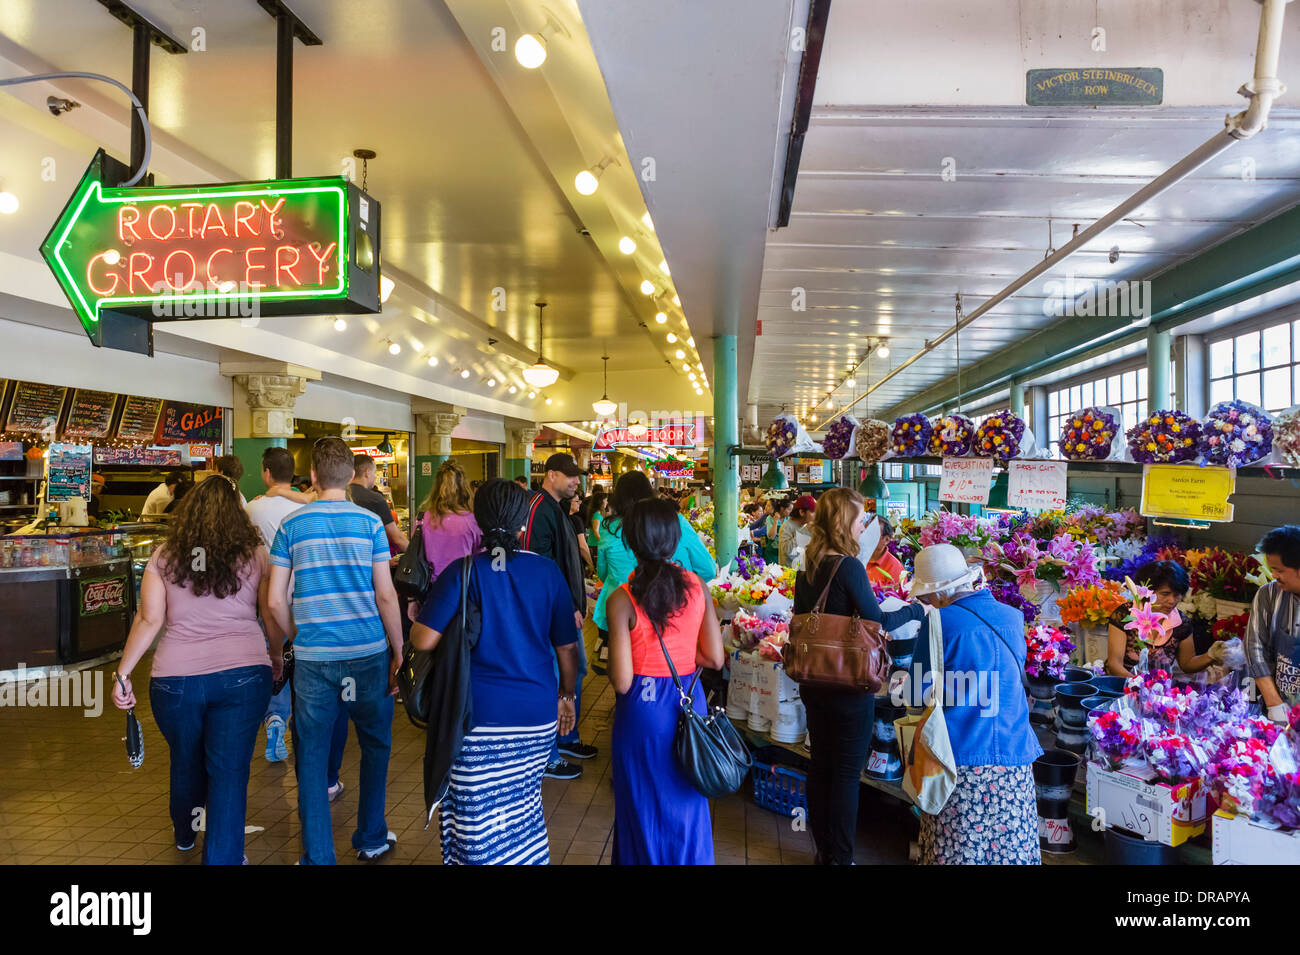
[991,818]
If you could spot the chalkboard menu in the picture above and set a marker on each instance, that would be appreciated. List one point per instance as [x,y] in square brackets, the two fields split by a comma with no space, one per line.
[156,457]
[69,472]
[184,423]
[139,419]
[36,407]
[91,414]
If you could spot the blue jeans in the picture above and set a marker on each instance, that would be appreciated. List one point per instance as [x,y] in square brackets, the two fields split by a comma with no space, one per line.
[337,742]
[281,704]
[210,722]
[319,691]
[577,699]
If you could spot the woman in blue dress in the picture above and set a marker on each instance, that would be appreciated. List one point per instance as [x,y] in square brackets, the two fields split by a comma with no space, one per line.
[659,817]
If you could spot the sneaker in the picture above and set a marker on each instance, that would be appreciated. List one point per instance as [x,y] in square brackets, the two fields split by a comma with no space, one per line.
[335,790]
[370,855]
[276,749]
[578,750]
[561,769]
[187,846]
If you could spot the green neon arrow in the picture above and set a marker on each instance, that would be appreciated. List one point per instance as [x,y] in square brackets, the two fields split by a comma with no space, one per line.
[87,230]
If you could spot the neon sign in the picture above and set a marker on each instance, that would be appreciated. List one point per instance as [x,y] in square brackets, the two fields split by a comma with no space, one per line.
[288,246]
[672,436]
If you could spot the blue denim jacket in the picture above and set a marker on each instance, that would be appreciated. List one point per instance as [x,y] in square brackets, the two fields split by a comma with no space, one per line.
[986,710]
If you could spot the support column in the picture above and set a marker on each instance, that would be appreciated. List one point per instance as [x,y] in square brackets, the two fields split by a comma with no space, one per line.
[1157,369]
[265,395]
[1190,377]
[726,476]
[1018,399]
[1038,415]
[519,451]
[432,446]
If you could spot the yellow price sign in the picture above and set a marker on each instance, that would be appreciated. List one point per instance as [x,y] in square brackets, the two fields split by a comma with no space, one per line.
[1188,492]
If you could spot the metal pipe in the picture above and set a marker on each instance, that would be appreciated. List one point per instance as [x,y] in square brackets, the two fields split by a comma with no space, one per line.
[1262,90]
[283,96]
[140,40]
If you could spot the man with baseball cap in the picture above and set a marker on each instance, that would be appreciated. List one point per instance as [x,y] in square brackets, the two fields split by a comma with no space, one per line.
[789,546]
[550,533]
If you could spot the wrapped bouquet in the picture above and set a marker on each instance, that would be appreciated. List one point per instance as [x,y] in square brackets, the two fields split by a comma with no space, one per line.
[1000,435]
[785,435]
[1286,435]
[1236,433]
[871,440]
[1164,437]
[1091,605]
[1116,735]
[838,442]
[1089,435]
[951,436]
[911,435]
[1048,651]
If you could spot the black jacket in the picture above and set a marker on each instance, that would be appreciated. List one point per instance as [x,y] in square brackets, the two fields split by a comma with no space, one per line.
[550,533]
[451,711]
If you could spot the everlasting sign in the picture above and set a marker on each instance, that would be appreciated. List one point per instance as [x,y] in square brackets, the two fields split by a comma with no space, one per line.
[279,247]
[966,480]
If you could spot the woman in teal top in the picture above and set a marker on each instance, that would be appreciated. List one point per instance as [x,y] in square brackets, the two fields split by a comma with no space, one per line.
[593,517]
[780,514]
[615,560]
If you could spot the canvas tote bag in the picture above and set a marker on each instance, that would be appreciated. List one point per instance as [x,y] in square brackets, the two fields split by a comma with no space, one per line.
[929,769]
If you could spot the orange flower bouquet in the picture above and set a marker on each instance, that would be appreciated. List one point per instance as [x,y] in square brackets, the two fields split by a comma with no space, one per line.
[1091,605]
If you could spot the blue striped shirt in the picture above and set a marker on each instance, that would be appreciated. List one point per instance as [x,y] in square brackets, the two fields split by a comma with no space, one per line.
[332,547]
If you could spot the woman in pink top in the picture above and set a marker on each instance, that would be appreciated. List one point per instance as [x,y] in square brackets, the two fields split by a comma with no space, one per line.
[659,817]
[212,673]
[450,531]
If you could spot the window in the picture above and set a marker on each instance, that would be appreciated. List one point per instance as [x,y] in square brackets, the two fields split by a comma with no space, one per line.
[1261,366]
[1125,390]
[893,471]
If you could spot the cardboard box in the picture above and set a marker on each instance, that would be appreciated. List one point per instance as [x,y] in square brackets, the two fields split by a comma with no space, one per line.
[1238,841]
[1129,799]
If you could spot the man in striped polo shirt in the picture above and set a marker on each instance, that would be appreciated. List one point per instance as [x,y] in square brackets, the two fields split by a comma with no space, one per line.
[334,555]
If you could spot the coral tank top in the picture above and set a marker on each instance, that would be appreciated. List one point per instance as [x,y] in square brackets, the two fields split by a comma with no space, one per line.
[681,635]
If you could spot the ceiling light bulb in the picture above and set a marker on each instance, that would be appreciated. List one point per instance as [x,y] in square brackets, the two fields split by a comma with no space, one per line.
[340,325]
[648,223]
[852,382]
[663,267]
[394,348]
[541,375]
[700,366]
[626,245]
[681,354]
[548,399]
[813,419]
[677,301]
[585,182]
[513,389]
[883,351]
[647,287]
[386,286]
[661,317]
[532,394]
[691,341]
[691,376]
[464,372]
[530,51]
[686,366]
[8,203]
[492,382]
[433,361]
[671,338]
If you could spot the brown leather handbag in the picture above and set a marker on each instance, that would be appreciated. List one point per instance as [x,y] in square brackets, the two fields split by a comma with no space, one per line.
[835,651]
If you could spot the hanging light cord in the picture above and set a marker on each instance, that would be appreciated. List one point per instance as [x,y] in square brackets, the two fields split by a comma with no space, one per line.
[957,341]
[139,108]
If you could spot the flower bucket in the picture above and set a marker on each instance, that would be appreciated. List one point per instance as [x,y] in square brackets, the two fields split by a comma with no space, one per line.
[1042,689]
[791,722]
[885,759]
[1095,642]
[1069,703]
[1054,774]
[1229,608]
[1044,598]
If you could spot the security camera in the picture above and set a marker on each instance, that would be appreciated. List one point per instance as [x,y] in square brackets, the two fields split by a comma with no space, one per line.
[1114,254]
[57,105]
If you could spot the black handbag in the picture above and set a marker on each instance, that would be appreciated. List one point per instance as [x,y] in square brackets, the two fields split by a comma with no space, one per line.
[286,672]
[417,665]
[709,751]
[413,577]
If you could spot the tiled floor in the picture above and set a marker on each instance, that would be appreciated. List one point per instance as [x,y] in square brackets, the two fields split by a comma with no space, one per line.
[68,795]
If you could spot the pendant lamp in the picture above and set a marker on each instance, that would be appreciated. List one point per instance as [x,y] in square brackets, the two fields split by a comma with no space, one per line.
[604,407]
[872,486]
[540,375]
[773,478]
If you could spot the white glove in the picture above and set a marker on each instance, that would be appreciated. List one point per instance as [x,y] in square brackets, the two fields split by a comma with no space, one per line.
[1217,650]
[1278,713]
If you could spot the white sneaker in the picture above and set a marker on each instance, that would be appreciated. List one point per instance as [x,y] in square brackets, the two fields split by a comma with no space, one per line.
[335,790]
[370,855]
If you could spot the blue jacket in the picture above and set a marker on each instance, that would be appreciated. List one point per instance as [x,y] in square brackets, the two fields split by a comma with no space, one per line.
[615,561]
[985,706]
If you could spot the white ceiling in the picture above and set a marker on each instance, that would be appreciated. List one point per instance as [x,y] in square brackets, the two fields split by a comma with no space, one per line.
[477,194]
[881,242]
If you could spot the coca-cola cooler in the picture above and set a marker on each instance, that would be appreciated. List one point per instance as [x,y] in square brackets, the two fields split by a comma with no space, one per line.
[95,611]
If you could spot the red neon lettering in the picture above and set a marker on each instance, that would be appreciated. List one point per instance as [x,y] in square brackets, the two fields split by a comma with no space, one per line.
[189,208]
[171,231]
[90,278]
[272,223]
[212,278]
[213,213]
[326,253]
[172,278]
[124,224]
[132,271]
[250,268]
[244,219]
[288,267]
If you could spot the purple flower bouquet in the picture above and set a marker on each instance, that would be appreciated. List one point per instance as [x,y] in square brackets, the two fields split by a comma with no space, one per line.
[781,435]
[1173,757]
[1236,433]
[1088,435]
[838,442]
[1164,437]
[952,435]
[911,437]
[999,435]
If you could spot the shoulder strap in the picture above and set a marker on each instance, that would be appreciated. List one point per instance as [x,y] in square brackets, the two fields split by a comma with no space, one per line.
[532,513]
[821,601]
[687,697]
[466,568]
[1006,643]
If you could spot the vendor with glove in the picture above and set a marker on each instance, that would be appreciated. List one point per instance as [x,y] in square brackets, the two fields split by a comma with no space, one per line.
[1273,632]
[1167,579]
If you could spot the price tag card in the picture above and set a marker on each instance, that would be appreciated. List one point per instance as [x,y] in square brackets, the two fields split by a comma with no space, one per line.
[1036,484]
[1187,491]
[966,480]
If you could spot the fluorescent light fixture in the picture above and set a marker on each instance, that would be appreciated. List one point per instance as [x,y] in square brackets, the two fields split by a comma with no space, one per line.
[626,245]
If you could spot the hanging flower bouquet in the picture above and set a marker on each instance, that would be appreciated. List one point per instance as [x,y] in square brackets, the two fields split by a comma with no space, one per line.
[1117,736]
[1048,651]
[911,435]
[838,442]
[871,440]
[1089,435]
[1286,436]
[999,436]
[951,436]
[785,435]
[1236,433]
[1091,604]
[1164,437]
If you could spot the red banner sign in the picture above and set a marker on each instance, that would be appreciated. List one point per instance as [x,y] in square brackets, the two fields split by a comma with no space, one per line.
[671,435]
